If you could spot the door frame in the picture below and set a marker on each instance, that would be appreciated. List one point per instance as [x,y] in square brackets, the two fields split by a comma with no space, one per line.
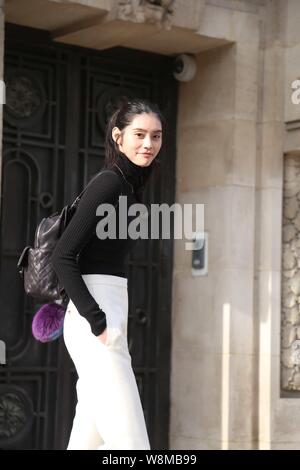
[168,89]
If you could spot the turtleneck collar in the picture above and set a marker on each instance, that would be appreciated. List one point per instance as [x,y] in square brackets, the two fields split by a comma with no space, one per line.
[135,174]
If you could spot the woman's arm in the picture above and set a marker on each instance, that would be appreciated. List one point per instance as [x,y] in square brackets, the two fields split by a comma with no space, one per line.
[106,188]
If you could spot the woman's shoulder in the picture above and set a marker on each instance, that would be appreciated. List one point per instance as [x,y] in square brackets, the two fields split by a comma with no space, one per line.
[107,174]
[107,180]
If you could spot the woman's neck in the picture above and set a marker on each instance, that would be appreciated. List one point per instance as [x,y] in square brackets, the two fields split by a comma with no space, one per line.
[135,174]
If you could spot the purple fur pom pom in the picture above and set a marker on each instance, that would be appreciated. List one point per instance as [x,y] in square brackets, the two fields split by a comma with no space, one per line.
[47,323]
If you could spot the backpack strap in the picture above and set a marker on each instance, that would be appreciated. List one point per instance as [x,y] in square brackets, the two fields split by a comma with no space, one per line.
[76,201]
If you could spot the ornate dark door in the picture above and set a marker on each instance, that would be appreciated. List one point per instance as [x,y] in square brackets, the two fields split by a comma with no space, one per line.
[58,102]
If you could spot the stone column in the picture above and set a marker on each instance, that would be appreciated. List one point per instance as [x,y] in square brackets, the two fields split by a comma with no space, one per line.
[213,371]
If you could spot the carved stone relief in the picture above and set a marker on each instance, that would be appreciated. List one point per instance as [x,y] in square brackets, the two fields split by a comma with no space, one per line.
[290,318]
[158,12]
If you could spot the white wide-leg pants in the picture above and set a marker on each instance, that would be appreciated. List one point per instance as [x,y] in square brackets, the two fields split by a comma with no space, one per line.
[109,413]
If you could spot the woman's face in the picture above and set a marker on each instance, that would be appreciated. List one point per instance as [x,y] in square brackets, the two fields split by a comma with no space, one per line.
[141,140]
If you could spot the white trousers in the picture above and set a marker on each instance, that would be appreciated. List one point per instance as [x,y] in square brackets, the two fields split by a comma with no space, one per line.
[109,413]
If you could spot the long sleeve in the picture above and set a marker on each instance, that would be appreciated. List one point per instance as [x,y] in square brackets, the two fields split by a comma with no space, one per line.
[106,188]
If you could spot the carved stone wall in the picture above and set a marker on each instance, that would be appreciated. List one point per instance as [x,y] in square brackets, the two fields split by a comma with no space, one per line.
[290,320]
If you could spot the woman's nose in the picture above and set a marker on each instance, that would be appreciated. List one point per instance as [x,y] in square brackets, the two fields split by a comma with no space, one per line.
[147,142]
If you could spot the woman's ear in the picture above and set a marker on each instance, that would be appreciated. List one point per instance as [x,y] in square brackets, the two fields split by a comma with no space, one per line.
[116,134]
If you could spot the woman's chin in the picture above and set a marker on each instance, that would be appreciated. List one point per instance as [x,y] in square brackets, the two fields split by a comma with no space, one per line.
[143,162]
[146,161]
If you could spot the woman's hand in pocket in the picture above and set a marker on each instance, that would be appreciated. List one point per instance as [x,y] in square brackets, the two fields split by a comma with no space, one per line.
[103,336]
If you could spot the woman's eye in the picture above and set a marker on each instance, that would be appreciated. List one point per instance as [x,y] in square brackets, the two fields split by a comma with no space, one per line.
[142,135]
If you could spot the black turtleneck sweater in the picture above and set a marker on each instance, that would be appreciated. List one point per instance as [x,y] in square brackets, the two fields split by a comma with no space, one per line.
[79,250]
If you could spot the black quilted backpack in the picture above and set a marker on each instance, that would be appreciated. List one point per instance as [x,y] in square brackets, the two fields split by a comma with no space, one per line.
[40,280]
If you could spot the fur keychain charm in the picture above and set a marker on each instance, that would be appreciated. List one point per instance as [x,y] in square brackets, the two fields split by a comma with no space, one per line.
[47,323]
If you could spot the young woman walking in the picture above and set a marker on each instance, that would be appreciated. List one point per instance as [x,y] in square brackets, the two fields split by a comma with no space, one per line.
[109,413]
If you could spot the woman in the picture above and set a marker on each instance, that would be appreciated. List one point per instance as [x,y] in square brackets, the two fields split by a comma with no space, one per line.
[109,414]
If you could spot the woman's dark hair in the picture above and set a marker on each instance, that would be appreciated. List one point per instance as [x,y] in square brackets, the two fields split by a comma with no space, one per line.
[121,118]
